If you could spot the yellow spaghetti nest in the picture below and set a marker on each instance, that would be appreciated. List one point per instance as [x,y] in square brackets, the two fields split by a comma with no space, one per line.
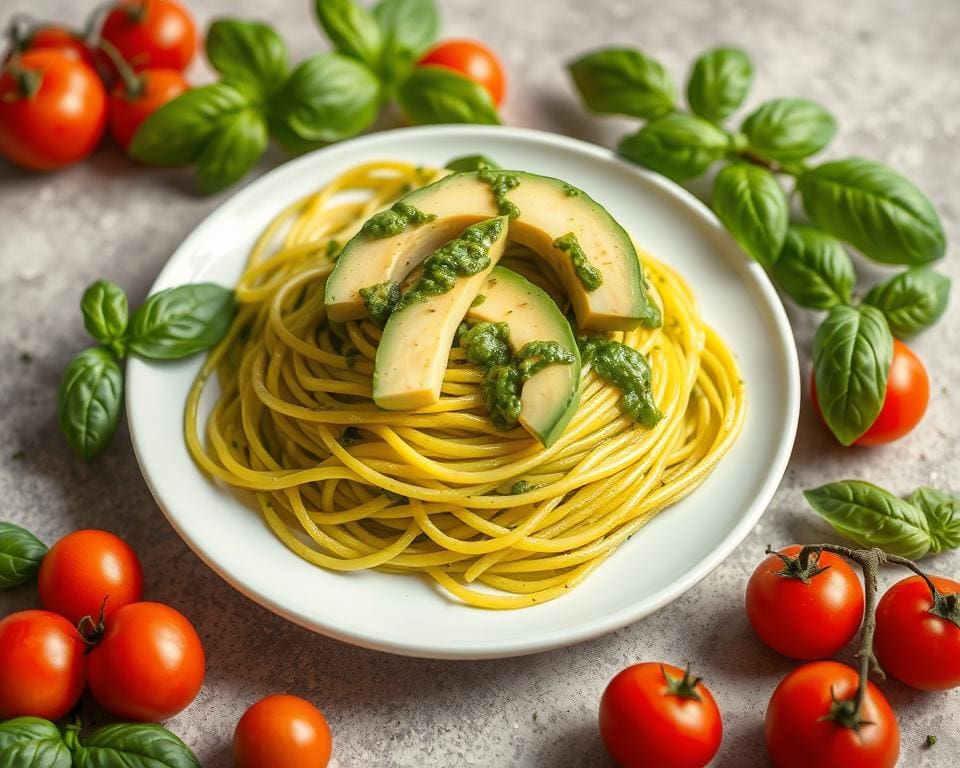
[440,491]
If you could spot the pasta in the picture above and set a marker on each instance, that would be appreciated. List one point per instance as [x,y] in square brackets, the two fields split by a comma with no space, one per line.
[493,517]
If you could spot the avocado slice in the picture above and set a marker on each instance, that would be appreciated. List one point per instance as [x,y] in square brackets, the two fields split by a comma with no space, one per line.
[593,255]
[412,355]
[550,397]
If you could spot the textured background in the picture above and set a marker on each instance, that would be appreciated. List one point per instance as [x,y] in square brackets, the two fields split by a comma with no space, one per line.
[888,71]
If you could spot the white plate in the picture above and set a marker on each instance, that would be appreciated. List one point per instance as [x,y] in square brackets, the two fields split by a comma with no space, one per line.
[407,615]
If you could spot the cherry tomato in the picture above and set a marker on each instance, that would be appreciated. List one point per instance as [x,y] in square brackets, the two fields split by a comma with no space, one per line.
[151,34]
[129,109]
[41,665]
[62,39]
[908,391]
[282,732]
[473,60]
[149,664]
[53,113]
[913,644]
[805,614]
[656,714]
[85,568]
[799,733]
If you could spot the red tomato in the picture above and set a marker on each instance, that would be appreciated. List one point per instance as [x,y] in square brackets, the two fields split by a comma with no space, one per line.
[655,714]
[908,391]
[128,110]
[811,620]
[473,60]
[151,34]
[61,121]
[85,568]
[65,40]
[913,644]
[41,665]
[282,732]
[149,664]
[799,734]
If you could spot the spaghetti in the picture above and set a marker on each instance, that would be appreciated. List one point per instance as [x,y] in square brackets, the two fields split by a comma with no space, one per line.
[493,517]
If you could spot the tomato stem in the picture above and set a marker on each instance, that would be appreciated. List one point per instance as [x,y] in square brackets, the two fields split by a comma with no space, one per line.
[799,567]
[684,687]
[90,631]
[133,84]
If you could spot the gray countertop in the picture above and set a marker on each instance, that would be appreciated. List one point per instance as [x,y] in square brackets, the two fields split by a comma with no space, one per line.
[889,72]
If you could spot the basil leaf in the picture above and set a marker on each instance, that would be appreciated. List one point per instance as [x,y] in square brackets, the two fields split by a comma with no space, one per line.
[327,98]
[352,29]
[89,400]
[31,742]
[852,353]
[789,129]
[105,314]
[471,163]
[133,745]
[719,83]
[912,300]
[751,204]
[943,515]
[176,133]
[248,53]
[236,145]
[624,81]
[408,28]
[20,555]
[288,140]
[814,269]
[678,146]
[440,95]
[181,321]
[872,517]
[875,209]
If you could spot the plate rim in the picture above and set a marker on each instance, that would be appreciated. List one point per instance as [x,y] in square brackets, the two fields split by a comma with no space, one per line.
[536,642]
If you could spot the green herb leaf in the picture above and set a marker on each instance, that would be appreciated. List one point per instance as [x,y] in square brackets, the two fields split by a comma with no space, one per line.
[679,146]
[471,163]
[133,745]
[176,133]
[872,517]
[20,556]
[327,98]
[814,269]
[943,516]
[719,83]
[440,95]
[89,400]
[352,29]
[105,314]
[247,53]
[912,300]
[751,204]
[875,209]
[181,321]
[789,129]
[31,742]
[624,81]
[236,145]
[852,353]
[408,28]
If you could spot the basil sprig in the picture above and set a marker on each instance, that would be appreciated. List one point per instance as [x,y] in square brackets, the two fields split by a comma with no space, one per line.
[20,555]
[926,522]
[224,128]
[31,742]
[170,325]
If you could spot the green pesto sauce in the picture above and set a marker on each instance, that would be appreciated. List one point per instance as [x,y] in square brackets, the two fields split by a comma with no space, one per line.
[394,220]
[571,191]
[626,369]
[465,256]
[380,300]
[349,436]
[334,247]
[500,183]
[471,163]
[478,300]
[487,345]
[588,275]
[521,486]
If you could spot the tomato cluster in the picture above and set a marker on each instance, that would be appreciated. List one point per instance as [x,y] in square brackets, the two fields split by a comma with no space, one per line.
[60,92]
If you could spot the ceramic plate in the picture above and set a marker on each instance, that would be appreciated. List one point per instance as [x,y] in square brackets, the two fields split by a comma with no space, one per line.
[406,614]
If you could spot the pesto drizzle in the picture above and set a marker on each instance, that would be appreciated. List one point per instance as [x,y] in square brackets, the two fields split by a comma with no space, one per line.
[380,300]
[500,183]
[588,275]
[487,345]
[394,220]
[626,368]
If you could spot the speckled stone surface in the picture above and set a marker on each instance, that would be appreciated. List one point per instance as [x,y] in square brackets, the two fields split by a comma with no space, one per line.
[889,72]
